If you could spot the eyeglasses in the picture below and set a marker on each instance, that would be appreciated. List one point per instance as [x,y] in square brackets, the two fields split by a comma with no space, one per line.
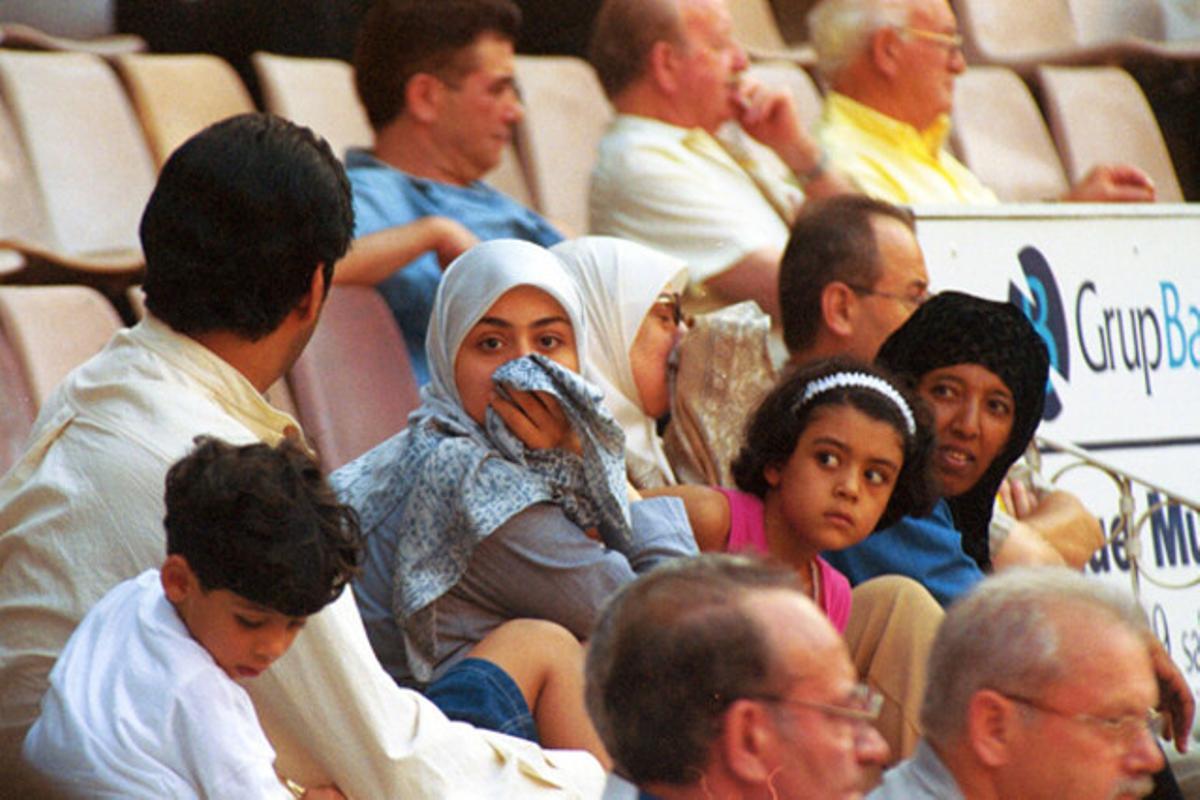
[1124,729]
[862,705]
[674,302]
[952,43]
[912,301]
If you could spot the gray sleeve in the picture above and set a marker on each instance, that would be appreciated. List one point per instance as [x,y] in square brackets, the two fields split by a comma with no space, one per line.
[540,564]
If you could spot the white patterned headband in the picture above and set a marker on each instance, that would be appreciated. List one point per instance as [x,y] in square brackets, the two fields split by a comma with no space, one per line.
[840,380]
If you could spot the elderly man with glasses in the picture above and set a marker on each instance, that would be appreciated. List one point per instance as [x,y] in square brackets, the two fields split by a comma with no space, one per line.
[1039,686]
[889,68]
[717,677]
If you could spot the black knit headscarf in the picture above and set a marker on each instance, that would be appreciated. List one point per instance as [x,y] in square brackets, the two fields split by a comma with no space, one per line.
[956,328]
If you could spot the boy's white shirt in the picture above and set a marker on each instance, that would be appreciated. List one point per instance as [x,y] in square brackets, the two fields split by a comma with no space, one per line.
[138,708]
[82,510]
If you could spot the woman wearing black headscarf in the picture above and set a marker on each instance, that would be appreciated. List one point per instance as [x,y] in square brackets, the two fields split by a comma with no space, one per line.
[982,369]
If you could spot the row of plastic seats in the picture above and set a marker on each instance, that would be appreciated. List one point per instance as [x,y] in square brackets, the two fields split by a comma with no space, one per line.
[1021,35]
[350,389]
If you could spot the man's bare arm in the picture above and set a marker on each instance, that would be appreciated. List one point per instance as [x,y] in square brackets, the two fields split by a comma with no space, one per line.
[377,255]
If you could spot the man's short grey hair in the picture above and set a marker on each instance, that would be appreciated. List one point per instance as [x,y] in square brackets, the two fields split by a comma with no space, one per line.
[1007,635]
[623,34]
[840,30]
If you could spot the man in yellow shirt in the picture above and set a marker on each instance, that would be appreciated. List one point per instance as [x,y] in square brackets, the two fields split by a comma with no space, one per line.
[890,67]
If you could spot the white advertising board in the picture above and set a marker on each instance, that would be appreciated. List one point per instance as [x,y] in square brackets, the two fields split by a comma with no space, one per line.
[1115,293]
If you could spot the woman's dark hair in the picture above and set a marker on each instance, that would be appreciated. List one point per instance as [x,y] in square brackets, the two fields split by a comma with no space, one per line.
[780,420]
[261,522]
[956,328]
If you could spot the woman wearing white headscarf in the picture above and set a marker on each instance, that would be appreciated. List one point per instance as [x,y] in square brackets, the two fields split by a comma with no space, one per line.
[480,510]
[631,299]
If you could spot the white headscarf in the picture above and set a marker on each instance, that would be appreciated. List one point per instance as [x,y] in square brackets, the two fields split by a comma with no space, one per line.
[620,282]
[469,287]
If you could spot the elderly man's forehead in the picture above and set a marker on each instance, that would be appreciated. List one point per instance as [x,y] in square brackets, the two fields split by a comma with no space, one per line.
[791,621]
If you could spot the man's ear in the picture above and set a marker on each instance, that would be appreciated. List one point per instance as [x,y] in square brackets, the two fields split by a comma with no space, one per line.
[747,741]
[992,726]
[423,96]
[885,51]
[308,308]
[177,578]
[838,306]
[661,66]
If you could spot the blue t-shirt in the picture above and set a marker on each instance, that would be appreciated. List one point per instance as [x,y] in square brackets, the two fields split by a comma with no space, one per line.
[926,549]
[385,197]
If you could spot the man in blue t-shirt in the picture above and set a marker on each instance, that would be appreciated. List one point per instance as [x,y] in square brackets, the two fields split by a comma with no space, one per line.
[437,80]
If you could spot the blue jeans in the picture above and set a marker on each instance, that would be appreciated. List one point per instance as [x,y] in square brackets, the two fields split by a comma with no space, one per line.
[479,692]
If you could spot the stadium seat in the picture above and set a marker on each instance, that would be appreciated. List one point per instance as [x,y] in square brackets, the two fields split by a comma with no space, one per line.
[317,93]
[1000,135]
[1098,115]
[17,410]
[21,36]
[53,329]
[1035,32]
[803,89]
[353,386]
[87,171]
[176,96]
[566,114]
[755,29]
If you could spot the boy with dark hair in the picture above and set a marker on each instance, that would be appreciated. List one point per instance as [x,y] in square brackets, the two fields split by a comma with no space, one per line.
[144,699]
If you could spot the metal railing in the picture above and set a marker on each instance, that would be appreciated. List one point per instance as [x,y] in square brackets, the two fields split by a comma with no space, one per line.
[1130,527]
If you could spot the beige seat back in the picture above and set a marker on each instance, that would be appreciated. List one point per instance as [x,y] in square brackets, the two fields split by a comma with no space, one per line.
[84,145]
[317,93]
[566,113]
[755,27]
[176,96]
[353,385]
[1000,135]
[1000,31]
[1107,20]
[1099,115]
[797,80]
[53,329]
[22,216]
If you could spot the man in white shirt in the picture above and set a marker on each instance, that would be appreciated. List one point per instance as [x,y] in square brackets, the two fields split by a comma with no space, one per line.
[240,236]
[664,177]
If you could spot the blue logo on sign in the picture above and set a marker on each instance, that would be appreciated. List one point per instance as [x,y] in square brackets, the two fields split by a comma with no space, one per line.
[1044,308]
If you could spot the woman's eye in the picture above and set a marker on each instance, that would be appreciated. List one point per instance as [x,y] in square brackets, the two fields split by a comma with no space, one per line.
[548,341]
[246,622]
[490,344]
[877,477]
[1000,408]
[827,459]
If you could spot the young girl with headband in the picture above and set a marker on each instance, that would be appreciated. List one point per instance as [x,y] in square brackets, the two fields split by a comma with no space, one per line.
[833,452]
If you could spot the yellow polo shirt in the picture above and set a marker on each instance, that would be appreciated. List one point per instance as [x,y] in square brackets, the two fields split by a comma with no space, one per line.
[892,160]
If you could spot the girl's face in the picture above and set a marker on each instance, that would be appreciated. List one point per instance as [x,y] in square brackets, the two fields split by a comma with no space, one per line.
[648,356]
[524,320]
[973,417]
[837,482]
